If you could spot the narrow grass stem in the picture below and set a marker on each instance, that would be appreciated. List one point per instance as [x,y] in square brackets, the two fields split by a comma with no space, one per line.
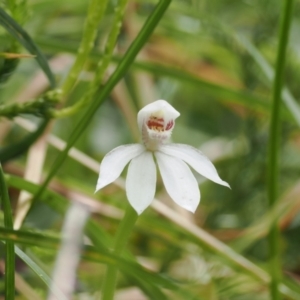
[95,12]
[102,65]
[38,107]
[9,246]
[273,149]
[123,233]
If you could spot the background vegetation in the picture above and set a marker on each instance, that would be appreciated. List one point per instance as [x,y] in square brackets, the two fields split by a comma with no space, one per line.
[214,61]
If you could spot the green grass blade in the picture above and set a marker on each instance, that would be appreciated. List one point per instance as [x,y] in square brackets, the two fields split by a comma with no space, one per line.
[288,99]
[9,247]
[274,148]
[122,235]
[40,272]
[28,238]
[23,37]
[259,229]
[95,13]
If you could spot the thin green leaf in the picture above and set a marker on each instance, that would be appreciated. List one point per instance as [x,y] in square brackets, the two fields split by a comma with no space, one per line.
[287,97]
[274,148]
[259,229]
[23,37]
[95,14]
[122,235]
[40,272]
[29,238]
[9,247]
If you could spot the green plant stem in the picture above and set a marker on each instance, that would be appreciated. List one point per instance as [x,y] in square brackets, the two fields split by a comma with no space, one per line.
[95,13]
[120,71]
[102,65]
[9,246]
[124,230]
[39,107]
[273,149]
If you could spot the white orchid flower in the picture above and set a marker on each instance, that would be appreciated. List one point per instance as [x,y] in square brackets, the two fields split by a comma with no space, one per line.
[156,122]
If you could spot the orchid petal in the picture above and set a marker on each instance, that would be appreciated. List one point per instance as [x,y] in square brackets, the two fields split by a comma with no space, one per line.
[196,159]
[179,181]
[162,106]
[115,161]
[141,181]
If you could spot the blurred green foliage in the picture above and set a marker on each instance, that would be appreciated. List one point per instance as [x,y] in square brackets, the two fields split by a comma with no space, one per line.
[200,38]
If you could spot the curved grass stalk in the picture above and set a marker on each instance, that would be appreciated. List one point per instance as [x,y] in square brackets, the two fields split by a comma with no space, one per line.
[102,65]
[273,149]
[287,96]
[122,236]
[38,270]
[95,13]
[9,246]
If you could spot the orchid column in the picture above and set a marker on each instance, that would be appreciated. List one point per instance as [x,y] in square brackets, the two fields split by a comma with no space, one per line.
[156,122]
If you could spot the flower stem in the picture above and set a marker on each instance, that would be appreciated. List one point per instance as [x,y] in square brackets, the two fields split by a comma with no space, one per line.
[122,236]
[273,149]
